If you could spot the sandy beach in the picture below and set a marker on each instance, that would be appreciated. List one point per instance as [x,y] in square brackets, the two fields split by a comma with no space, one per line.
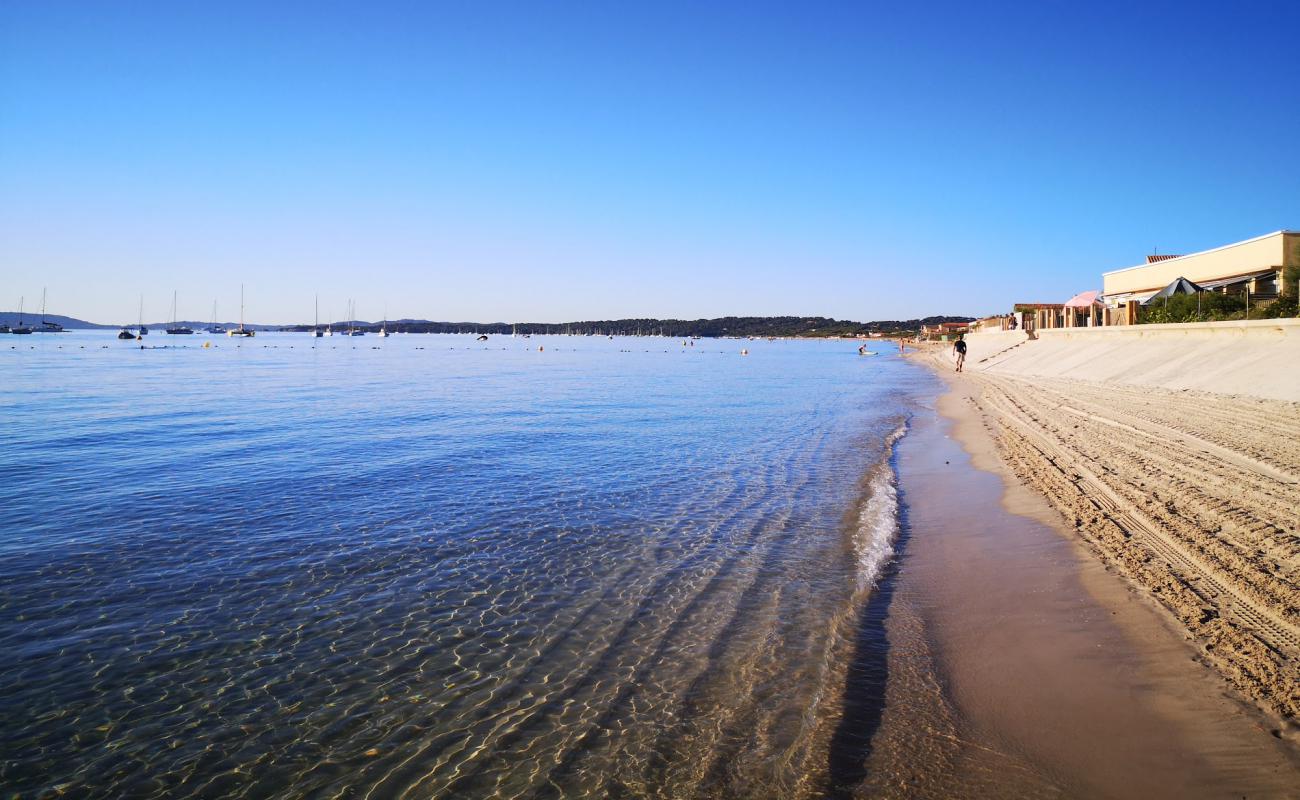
[1189,495]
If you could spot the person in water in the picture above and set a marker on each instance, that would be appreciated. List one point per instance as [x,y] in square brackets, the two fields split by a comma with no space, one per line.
[959,347]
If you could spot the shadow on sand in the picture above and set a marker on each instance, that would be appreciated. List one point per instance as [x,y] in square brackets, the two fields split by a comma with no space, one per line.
[868,676]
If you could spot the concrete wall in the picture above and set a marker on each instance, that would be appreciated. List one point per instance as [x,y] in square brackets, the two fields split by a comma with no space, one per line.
[1265,252]
[1257,358]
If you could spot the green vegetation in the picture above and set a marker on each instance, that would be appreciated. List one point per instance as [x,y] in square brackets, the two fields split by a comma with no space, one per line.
[1214,307]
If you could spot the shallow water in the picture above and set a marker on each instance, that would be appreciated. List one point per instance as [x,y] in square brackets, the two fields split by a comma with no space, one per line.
[427,566]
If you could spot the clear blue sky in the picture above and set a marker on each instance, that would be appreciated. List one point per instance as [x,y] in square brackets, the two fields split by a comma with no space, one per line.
[546,162]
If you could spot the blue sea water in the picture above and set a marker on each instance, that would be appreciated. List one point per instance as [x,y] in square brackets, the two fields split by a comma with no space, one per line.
[426,566]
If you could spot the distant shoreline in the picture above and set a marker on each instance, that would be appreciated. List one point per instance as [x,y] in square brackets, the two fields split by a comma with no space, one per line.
[718,327]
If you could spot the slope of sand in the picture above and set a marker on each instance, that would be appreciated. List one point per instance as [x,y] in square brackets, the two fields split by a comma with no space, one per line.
[1193,496]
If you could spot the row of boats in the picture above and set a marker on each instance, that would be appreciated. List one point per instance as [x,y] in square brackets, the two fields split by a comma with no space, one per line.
[21,328]
[176,329]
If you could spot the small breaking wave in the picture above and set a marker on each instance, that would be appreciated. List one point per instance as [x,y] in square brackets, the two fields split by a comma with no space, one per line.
[877,527]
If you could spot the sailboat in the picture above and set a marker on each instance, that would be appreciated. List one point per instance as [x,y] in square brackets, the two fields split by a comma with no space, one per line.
[48,327]
[383,326]
[353,330]
[214,327]
[21,329]
[315,324]
[242,332]
[143,330]
[176,328]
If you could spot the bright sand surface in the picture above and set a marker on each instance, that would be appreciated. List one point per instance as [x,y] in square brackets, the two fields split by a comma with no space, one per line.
[1105,610]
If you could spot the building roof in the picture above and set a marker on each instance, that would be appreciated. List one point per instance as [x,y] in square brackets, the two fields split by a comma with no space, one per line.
[1154,259]
[1203,252]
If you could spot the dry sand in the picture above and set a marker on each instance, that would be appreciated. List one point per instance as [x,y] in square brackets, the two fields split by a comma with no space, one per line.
[1193,496]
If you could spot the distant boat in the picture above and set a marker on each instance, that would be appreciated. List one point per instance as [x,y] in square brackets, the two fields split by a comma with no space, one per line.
[315,324]
[383,326]
[143,330]
[177,329]
[48,327]
[242,332]
[215,327]
[125,333]
[21,329]
[352,320]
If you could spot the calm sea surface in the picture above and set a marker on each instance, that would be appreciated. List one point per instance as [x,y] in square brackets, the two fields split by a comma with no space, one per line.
[430,567]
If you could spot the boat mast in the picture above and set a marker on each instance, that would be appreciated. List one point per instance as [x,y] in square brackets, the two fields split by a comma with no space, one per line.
[42,306]
[241,306]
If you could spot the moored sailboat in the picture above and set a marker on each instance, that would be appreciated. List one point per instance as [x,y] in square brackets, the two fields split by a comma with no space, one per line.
[242,331]
[176,328]
[21,329]
[46,326]
[215,327]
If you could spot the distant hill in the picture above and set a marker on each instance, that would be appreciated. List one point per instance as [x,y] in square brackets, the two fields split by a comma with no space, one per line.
[10,318]
[812,327]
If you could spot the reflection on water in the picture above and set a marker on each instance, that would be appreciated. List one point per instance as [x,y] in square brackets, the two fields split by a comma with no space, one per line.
[431,567]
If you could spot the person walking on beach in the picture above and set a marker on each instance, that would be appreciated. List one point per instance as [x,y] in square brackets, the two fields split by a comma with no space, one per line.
[959,347]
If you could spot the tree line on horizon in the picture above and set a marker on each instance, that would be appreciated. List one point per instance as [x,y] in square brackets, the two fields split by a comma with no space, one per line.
[648,326]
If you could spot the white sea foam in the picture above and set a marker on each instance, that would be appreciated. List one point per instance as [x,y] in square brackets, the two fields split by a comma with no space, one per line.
[878,520]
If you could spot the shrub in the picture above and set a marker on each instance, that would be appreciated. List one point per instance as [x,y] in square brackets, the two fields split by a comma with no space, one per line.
[1281,307]
[1183,308]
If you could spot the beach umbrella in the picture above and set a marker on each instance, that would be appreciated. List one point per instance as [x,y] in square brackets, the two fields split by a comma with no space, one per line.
[1180,285]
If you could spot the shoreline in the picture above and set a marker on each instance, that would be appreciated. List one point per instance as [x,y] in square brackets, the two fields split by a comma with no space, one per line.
[1152,689]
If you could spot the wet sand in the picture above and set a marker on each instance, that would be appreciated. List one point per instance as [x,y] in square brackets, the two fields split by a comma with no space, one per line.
[1050,675]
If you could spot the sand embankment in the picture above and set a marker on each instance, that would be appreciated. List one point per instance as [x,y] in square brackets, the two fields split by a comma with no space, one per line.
[1259,358]
[1174,453]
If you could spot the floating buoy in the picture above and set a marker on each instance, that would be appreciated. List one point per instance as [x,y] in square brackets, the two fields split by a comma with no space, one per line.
[540,348]
[206,345]
[744,352]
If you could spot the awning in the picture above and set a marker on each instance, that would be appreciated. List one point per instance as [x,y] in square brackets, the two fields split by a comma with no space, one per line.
[1222,282]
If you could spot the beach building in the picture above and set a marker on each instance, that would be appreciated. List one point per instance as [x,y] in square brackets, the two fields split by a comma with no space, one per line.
[1253,268]
[944,330]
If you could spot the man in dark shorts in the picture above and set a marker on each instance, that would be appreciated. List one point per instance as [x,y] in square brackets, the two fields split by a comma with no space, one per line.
[959,347]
